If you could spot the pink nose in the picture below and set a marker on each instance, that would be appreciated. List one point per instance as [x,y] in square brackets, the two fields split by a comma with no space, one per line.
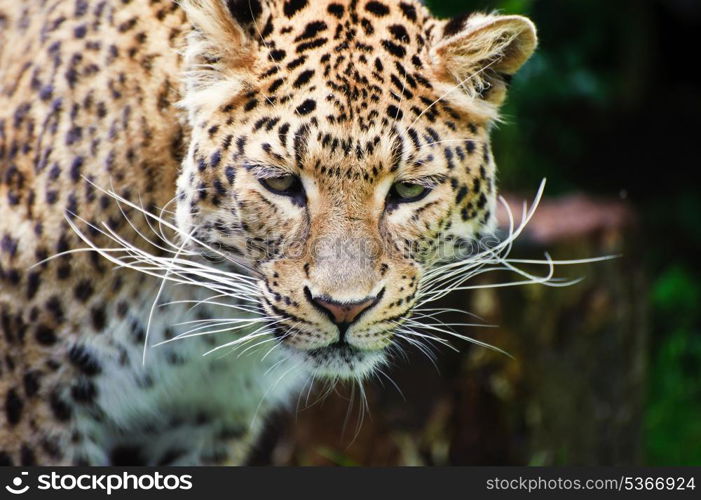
[344,313]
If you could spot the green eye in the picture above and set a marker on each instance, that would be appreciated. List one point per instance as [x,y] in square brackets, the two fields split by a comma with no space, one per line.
[279,184]
[286,185]
[403,192]
[408,190]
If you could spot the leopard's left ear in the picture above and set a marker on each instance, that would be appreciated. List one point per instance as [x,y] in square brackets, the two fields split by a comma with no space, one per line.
[221,49]
[481,52]
[221,28]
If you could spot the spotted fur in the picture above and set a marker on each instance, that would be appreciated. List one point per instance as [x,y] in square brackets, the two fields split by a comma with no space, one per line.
[189,106]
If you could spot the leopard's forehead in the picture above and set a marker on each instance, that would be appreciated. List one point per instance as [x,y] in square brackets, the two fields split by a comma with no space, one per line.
[346,82]
[342,31]
[358,53]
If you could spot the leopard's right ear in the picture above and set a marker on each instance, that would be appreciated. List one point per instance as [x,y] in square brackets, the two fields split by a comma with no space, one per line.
[480,52]
[221,52]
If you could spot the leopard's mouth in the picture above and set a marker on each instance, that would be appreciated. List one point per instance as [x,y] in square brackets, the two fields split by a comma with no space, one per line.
[340,360]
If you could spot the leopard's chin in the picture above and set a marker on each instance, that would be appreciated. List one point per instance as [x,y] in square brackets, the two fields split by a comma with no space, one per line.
[341,361]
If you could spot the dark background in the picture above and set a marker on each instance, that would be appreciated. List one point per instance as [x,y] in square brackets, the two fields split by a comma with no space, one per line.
[609,371]
[610,105]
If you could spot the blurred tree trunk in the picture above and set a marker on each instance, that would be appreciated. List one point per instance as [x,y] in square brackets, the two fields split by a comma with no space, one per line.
[572,394]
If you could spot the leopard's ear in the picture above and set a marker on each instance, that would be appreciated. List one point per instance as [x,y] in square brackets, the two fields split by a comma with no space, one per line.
[224,25]
[221,51]
[481,52]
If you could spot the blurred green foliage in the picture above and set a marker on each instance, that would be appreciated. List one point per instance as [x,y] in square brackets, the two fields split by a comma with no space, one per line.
[604,107]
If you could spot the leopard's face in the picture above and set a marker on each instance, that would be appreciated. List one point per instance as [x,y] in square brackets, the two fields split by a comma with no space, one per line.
[339,149]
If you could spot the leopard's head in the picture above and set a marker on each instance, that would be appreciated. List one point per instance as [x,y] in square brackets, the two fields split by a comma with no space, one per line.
[340,148]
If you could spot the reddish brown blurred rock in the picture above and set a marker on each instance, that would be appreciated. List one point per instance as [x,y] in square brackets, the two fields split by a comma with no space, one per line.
[574,216]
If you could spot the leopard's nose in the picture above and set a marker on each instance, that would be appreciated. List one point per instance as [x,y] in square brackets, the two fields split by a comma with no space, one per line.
[341,313]
[344,312]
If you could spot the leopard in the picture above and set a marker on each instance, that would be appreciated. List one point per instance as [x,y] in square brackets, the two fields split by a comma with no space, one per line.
[208,205]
